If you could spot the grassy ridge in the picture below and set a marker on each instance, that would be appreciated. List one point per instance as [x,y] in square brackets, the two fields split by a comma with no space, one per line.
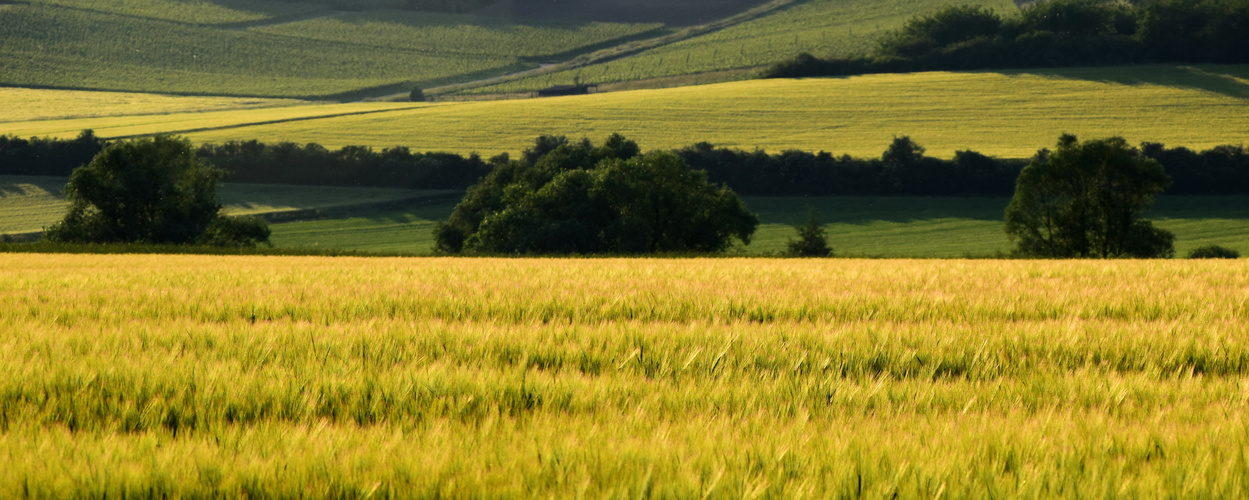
[828,27]
[255,376]
[47,45]
[50,46]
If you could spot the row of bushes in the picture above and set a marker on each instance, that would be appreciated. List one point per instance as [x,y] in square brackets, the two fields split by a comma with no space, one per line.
[1049,34]
[902,169]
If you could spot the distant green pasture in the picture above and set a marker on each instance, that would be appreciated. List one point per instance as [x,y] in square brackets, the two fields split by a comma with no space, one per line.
[30,203]
[857,226]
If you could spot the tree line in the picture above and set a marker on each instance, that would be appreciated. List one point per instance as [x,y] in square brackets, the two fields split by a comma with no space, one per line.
[1050,34]
[903,169]
[1082,200]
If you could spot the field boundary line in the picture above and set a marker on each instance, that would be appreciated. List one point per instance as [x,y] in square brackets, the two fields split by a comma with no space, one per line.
[259,123]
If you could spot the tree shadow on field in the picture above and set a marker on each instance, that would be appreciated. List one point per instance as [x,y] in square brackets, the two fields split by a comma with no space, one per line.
[1227,80]
[19,186]
[864,210]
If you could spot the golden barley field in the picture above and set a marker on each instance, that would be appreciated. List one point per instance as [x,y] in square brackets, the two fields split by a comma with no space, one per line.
[268,377]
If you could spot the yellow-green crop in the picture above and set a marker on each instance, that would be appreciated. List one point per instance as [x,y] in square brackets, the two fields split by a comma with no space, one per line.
[149,375]
[22,105]
[1010,114]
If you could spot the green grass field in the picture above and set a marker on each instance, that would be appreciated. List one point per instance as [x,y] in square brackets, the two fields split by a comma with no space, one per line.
[209,376]
[895,227]
[836,28]
[147,46]
[192,11]
[29,203]
[1010,114]
[307,49]
[474,36]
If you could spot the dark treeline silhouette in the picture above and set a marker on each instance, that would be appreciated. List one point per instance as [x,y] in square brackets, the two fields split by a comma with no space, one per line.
[902,169]
[1050,34]
[289,163]
[51,157]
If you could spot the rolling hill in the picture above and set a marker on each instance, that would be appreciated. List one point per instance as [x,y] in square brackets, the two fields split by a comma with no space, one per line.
[825,27]
[277,49]
[1006,114]
[339,50]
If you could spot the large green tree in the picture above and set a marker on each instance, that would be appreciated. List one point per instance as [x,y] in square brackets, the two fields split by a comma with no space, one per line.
[1084,200]
[151,190]
[577,198]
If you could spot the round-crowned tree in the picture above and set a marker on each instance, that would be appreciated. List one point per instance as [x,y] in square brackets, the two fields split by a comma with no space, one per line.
[1085,200]
[151,190]
[578,198]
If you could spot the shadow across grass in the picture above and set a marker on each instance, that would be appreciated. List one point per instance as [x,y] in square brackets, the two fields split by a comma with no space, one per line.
[1227,80]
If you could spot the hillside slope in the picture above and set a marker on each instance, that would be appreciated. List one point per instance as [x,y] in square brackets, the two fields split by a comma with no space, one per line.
[826,27]
[1008,114]
[185,49]
[308,49]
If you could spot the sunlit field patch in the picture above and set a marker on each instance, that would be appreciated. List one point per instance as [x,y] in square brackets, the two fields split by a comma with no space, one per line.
[252,376]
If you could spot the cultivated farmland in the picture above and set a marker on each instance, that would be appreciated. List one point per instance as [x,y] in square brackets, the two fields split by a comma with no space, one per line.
[456,34]
[835,28]
[192,11]
[1007,114]
[21,105]
[255,376]
[80,47]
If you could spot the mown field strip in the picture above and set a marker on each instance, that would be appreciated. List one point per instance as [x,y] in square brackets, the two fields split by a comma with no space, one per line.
[277,376]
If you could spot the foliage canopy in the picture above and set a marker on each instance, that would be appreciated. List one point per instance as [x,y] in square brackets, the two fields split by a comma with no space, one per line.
[566,197]
[811,240]
[152,190]
[1085,200]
